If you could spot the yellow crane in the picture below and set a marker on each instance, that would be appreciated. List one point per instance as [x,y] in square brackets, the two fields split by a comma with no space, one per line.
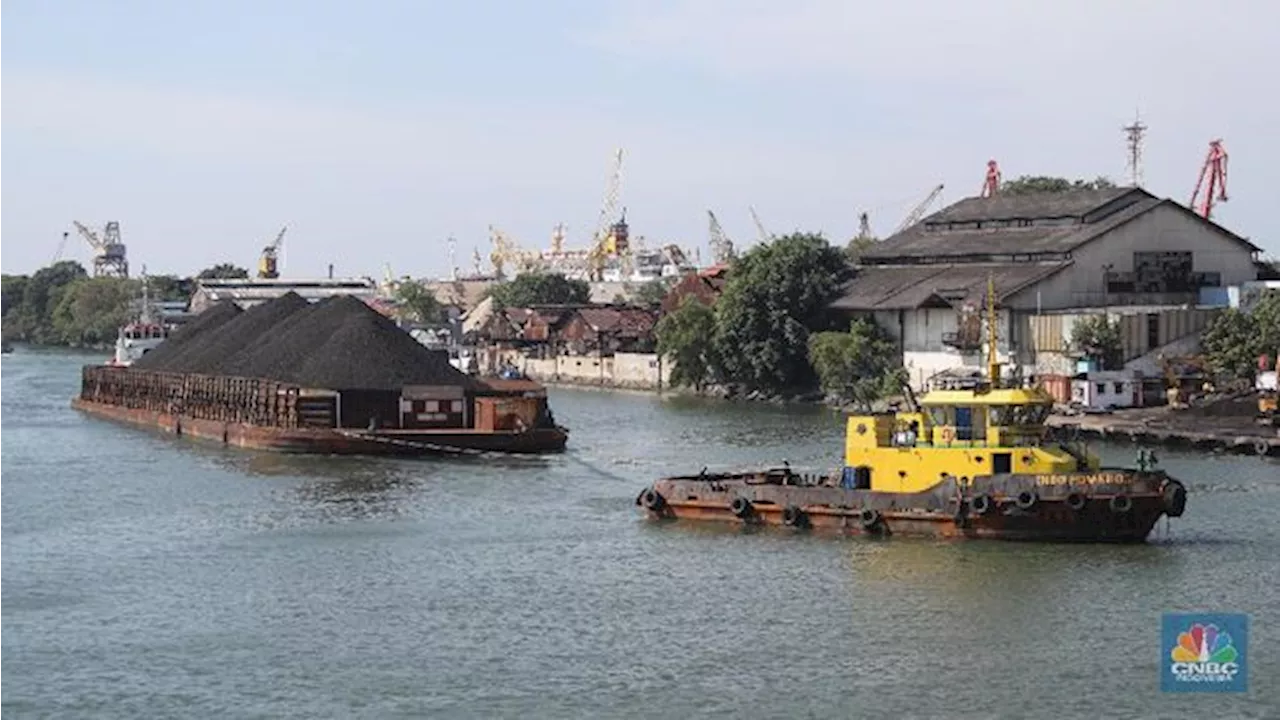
[268,262]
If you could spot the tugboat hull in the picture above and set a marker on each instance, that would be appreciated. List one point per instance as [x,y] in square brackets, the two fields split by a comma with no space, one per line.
[1102,506]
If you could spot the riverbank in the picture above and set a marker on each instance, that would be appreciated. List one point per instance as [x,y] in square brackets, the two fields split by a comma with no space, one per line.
[1196,428]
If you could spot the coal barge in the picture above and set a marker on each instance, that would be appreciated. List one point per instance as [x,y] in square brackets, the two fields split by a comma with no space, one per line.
[958,464]
[334,377]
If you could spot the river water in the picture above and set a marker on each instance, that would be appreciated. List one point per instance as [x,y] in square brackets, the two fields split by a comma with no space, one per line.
[151,576]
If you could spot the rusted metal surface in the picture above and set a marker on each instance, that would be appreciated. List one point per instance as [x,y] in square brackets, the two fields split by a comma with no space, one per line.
[1104,506]
[332,441]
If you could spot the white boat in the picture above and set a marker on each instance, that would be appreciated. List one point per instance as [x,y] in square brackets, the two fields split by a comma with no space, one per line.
[141,335]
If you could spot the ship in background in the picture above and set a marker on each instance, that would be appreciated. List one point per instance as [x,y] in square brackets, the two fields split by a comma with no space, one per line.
[612,255]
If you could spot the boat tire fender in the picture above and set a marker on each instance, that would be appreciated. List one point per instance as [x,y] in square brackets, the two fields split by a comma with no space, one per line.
[741,507]
[981,504]
[1261,447]
[652,499]
[1026,500]
[795,517]
[1175,498]
[870,519]
[1121,503]
[1076,501]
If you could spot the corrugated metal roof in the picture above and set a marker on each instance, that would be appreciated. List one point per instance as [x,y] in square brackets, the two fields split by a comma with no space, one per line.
[904,287]
[920,241]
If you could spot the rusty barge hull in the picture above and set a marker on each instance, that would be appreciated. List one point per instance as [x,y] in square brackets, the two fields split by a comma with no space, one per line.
[1011,507]
[334,441]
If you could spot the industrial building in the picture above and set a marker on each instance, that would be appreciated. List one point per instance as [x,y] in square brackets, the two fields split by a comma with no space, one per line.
[247,292]
[1051,257]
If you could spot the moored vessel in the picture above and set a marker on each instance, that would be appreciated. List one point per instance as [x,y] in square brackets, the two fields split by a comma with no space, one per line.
[972,463]
[141,335]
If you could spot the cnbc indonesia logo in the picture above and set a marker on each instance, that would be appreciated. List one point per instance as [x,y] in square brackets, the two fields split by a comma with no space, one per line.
[1204,654]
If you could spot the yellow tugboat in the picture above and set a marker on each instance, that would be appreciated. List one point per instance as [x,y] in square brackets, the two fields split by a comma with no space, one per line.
[970,463]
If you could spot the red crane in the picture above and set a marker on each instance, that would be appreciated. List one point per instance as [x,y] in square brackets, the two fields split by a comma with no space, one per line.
[991,185]
[1215,169]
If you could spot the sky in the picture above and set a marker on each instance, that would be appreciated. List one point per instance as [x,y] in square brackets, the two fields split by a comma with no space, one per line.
[375,131]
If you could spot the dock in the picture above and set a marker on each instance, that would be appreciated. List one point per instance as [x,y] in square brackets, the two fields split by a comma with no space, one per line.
[1237,435]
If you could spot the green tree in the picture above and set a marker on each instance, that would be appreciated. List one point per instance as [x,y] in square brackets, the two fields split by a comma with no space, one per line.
[686,336]
[1235,339]
[417,303]
[169,287]
[859,365]
[223,271]
[778,293]
[541,289]
[857,246]
[652,293]
[1041,183]
[13,288]
[1097,338]
[41,295]
[91,310]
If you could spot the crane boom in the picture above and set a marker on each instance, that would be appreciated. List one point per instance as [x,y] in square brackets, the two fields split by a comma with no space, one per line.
[918,211]
[721,245]
[764,234]
[1214,170]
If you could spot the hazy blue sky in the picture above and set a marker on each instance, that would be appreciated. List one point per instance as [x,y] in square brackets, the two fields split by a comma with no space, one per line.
[375,130]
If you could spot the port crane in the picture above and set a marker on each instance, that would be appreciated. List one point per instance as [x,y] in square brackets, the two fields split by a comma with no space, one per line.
[764,234]
[918,211]
[1214,171]
[109,254]
[722,251]
[269,261]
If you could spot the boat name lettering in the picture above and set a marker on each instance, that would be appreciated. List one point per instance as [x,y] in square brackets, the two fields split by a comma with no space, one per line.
[1105,478]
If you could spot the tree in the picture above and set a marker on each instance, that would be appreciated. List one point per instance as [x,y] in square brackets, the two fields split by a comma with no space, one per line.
[169,287]
[1234,340]
[541,289]
[13,288]
[91,310]
[223,271]
[859,245]
[778,293]
[417,303]
[859,365]
[686,336]
[652,293]
[41,295]
[1098,338]
[1040,183]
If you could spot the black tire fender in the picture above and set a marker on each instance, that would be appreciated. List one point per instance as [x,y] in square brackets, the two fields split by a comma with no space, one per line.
[795,517]
[741,507]
[1175,498]
[870,519]
[651,499]
[1077,501]
[1121,503]
[1026,500]
[981,504]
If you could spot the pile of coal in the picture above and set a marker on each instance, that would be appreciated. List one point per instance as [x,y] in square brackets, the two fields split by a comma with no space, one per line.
[339,343]
[208,352]
[159,357]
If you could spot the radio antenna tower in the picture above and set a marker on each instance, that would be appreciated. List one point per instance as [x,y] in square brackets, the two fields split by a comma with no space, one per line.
[1134,134]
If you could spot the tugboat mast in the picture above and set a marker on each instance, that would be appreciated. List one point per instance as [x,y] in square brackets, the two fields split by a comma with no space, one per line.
[993,362]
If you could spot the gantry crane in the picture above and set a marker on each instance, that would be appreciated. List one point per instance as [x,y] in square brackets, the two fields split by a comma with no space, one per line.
[918,211]
[722,251]
[109,256]
[268,263]
[1215,170]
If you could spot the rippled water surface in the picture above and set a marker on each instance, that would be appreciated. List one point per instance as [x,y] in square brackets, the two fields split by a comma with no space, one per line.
[150,576]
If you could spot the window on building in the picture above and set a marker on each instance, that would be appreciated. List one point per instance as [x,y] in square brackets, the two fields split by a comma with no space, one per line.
[1164,272]
[1100,388]
[1153,331]
[1117,388]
